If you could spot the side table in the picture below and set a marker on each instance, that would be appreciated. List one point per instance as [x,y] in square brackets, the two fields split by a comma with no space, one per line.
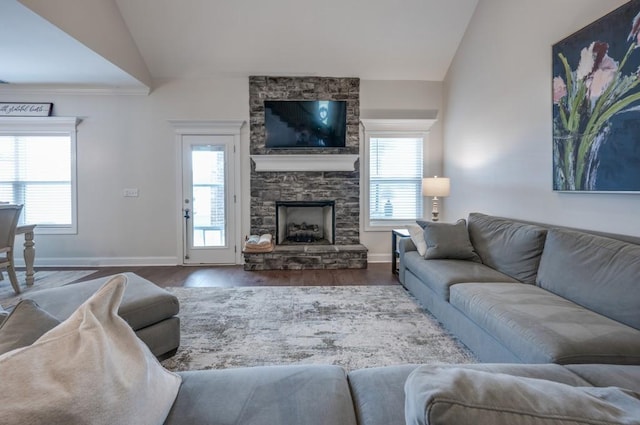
[395,252]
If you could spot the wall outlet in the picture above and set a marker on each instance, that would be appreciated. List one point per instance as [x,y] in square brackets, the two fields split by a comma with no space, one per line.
[130,193]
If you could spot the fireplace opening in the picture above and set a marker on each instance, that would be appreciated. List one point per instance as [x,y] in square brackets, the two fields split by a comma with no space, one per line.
[305,222]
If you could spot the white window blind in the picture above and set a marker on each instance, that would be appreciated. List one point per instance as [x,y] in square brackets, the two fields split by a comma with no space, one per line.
[395,179]
[37,170]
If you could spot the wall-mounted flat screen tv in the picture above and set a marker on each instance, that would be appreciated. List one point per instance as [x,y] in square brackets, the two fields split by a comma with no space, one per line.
[305,123]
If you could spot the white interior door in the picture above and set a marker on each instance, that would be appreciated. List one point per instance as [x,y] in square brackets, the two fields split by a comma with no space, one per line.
[208,199]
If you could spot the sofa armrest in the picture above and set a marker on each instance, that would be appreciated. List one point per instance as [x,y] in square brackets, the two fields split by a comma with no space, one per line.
[404,245]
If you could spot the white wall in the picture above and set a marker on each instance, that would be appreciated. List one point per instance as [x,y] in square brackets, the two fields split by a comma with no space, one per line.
[497,114]
[403,97]
[126,142]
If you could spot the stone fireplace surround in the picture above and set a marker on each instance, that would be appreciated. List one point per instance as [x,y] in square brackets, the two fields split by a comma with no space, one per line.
[342,187]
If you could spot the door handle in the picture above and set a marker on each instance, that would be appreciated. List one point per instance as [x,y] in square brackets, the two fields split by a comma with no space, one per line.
[186,232]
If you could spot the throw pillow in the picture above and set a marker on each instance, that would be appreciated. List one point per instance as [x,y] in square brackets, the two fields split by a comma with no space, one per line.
[26,323]
[463,396]
[90,369]
[417,237]
[511,247]
[448,241]
[423,223]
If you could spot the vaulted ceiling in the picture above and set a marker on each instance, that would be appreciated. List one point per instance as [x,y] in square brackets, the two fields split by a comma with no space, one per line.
[41,43]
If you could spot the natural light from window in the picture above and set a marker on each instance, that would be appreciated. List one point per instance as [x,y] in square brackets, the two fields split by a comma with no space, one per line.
[207,163]
[395,178]
[35,170]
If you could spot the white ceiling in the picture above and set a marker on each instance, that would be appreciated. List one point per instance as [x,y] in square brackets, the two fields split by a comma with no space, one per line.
[32,51]
[369,39]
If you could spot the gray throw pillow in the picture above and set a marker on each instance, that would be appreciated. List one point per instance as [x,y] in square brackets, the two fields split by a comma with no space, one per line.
[448,241]
[443,396]
[26,323]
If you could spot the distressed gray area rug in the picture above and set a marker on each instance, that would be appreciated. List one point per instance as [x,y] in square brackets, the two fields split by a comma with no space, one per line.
[350,326]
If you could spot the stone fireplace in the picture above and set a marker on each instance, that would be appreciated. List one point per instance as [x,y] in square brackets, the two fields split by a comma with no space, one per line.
[300,180]
[305,222]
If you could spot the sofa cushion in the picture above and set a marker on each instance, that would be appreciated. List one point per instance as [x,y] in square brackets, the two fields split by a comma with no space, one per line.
[90,369]
[443,395]
[26,323]
[508,246]
[541,327]
[439,275]
[603,375]
[599,273]
[448,241]
[378,392]
[144,303]
[310,395]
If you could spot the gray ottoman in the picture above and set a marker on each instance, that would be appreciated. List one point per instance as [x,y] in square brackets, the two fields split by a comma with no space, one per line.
[150,310]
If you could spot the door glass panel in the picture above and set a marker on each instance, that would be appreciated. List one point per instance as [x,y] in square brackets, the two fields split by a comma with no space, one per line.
[209,221]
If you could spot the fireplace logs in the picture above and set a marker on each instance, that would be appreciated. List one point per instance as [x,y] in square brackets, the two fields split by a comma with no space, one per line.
[304,233]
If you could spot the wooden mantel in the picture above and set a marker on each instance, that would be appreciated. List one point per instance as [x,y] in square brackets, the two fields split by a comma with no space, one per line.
[337,162]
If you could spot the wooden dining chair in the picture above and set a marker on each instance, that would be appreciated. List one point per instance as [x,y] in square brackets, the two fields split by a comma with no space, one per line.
[9,215]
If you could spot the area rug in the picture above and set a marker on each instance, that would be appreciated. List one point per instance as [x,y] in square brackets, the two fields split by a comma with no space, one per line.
[350,326]
[42,280]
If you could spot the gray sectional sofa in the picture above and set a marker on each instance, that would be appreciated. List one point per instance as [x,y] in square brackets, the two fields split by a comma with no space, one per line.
[540,294]
[327,395]
[535,294]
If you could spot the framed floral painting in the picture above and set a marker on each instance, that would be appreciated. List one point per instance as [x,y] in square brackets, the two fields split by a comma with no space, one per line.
[596,105]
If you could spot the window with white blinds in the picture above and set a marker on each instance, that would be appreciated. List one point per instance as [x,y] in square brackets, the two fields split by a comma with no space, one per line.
[395,179]
[37,170]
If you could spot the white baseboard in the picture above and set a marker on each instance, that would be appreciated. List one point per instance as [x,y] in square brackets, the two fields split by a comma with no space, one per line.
[378,258]
[101,261]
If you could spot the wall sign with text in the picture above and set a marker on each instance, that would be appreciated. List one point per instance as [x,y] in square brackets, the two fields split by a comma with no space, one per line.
[16,109]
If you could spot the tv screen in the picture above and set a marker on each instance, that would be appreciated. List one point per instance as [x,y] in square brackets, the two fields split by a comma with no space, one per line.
[305,123]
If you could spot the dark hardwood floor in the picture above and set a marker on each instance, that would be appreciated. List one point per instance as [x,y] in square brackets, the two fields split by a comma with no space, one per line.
[235,276]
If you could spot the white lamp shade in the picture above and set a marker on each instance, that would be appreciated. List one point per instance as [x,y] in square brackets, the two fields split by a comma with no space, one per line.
[436,186]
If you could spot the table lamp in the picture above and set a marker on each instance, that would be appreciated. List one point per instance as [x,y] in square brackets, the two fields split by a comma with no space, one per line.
[435,186]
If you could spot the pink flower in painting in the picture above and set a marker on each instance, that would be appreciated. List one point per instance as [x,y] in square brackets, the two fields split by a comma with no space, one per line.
[596,68]
[591,59]
[602,76]
[559,89]
[587,62]
[635,30]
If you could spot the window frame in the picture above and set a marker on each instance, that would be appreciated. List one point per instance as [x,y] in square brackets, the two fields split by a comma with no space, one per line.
[43,126]
[388,128]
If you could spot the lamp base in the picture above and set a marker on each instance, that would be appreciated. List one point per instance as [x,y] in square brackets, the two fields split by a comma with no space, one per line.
[434,212]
